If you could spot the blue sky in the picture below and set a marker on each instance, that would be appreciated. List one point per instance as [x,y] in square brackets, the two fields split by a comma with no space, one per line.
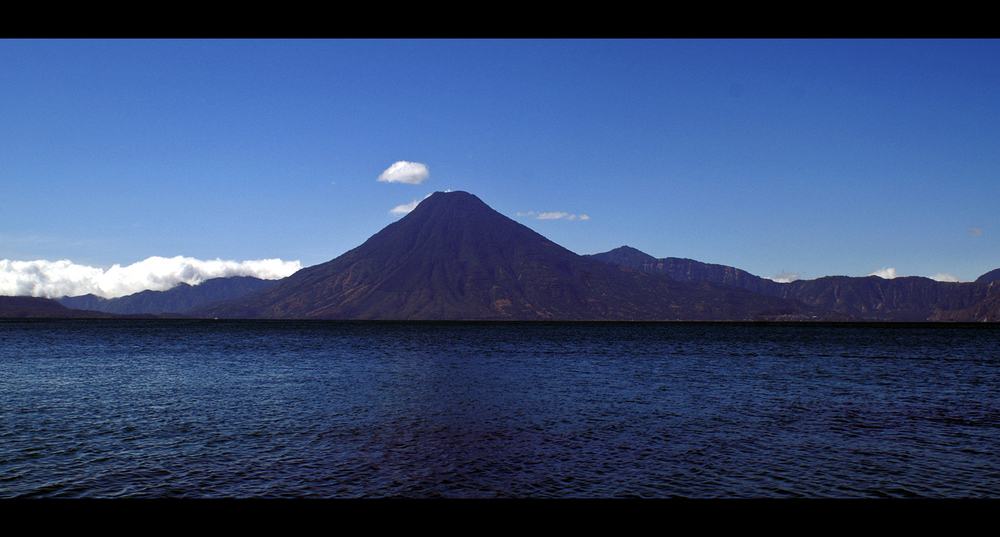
[806,157]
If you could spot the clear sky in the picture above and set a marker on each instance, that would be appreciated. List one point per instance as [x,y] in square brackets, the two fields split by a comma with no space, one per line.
[806,158]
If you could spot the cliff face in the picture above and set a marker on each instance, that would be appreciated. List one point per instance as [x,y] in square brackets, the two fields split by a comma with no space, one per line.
[985,310]
[689,270]
[899,299]
[862,298]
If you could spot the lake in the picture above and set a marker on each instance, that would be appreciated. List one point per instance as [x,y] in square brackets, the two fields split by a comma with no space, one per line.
[235,409]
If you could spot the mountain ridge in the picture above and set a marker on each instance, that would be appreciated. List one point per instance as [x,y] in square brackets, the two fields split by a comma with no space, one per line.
[907,298]
[454,257]
[30,307]
[179,299]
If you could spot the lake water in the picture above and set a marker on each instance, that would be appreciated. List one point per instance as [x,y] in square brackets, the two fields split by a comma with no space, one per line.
[177,408]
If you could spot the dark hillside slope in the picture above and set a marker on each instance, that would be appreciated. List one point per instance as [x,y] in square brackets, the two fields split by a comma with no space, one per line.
[862,298]
[27,307]
[453,257]
[688,270]
[180,299]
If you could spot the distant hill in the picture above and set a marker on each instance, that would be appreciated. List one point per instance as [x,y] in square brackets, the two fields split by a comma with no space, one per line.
[33,307]
[864,298]
[180,299]
[688,270]
[453,257]
[910,298]
[987,310]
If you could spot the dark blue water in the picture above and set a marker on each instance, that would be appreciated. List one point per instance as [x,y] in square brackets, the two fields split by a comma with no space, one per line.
[157,408]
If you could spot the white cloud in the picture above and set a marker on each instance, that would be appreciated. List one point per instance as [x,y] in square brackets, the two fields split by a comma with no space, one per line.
[53,279]
[886,273]
[412,173]
[556,215]
[405,208]
[783,277]
[945,277]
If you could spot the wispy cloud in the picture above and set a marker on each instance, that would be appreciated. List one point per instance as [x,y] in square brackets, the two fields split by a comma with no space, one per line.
[405,208]
[945,277]
[886,273]
[412,173]
[783,277]
[53,279]
[553,216]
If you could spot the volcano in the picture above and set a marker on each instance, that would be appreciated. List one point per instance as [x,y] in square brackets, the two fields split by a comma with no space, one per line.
[455,258]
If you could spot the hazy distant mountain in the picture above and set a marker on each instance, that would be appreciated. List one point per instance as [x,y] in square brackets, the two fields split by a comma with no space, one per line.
[453,257]
[180,299]
[34,307]
[872,298]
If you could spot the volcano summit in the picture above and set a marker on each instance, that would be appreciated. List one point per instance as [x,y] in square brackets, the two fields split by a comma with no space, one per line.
[455,258]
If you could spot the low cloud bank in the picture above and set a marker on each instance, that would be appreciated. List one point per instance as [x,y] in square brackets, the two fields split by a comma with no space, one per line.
[54,279]
[885,274]
[945,277]
[890,274]
[783,277]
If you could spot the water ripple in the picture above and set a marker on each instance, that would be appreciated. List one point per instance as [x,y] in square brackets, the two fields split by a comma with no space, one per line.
[155,409]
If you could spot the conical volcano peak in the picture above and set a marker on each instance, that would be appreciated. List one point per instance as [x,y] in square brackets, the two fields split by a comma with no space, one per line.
[451,200]
[457,214]
[447,223]
[453,196]
[454,257]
